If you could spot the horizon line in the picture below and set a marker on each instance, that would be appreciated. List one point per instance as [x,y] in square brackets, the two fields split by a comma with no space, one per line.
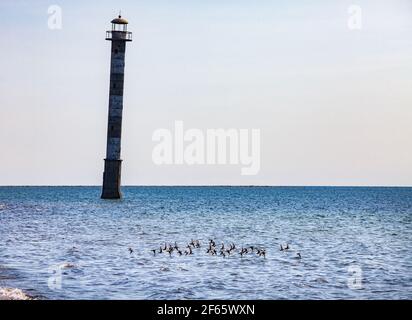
[222,185]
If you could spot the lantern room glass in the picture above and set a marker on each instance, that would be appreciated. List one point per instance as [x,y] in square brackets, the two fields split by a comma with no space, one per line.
[119,27]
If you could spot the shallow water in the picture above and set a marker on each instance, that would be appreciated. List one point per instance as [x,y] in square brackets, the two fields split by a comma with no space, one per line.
[66,243]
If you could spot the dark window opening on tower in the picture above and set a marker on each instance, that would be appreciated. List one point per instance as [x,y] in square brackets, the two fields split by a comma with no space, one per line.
[116,51]
[114,85]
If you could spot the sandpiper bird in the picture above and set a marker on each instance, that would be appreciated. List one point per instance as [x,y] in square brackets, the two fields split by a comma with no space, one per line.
[154,252]
[281,248]
[160,249]
[287,246]
[130,250]
[298,256]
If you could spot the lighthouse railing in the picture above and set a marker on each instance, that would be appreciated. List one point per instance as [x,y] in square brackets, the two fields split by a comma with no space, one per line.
[119,35]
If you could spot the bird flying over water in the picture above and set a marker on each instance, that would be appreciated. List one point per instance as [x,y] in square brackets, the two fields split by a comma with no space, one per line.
[213,250]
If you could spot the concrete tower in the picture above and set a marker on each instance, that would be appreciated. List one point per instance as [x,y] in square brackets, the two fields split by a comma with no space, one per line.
[112,164]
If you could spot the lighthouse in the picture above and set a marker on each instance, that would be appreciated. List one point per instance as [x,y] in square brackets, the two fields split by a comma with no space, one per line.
[112,163]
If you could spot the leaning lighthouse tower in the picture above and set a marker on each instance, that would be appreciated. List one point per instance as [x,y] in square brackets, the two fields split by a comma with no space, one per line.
[112,164]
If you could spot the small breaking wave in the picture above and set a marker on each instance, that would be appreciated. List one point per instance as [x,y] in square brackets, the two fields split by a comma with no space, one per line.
[13,294]
[66,265]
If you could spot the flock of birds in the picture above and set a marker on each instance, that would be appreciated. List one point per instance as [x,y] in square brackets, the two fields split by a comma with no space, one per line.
[213,249]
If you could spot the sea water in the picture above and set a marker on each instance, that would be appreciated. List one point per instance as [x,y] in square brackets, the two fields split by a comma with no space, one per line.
[67,243]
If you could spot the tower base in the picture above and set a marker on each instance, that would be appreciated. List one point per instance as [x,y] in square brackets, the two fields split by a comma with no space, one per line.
[111,179]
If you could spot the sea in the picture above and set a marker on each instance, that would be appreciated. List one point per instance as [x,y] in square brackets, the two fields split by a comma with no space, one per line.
[338,243]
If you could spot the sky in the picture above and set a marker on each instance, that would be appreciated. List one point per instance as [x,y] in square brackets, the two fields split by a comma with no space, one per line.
[333,104]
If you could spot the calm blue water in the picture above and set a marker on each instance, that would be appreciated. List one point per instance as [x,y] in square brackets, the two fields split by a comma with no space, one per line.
[66,243]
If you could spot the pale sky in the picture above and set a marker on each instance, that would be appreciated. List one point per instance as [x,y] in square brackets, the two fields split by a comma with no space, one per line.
[334,105]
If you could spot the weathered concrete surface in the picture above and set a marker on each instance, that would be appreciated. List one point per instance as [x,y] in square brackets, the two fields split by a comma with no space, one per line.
[112,179]
[113,163]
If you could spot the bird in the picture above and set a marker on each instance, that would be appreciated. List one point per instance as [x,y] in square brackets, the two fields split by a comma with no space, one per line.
[261,252]
[130,250]
[281,248]
[243,251]
[160,249]
[298,256]
[211,248]
[154,252]
[287,246]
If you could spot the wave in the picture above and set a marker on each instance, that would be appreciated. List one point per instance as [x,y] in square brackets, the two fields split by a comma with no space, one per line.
[66,265]
[13,294]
